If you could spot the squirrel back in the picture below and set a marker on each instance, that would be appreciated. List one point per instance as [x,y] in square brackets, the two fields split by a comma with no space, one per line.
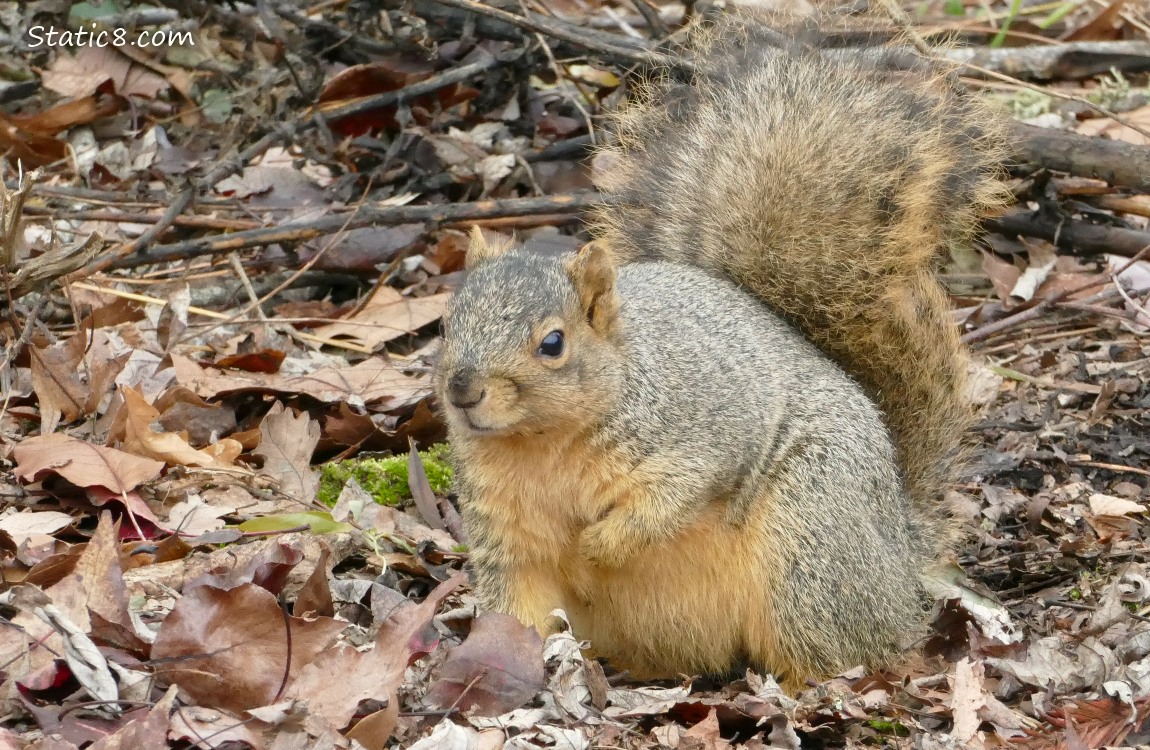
[828,183]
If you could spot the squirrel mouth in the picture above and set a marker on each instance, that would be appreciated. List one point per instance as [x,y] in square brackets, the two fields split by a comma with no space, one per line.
[475,428]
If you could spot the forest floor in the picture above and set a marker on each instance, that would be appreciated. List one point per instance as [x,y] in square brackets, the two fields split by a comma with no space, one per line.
[224,259]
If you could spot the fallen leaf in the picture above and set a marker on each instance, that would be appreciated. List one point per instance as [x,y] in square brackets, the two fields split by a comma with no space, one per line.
[82,464]
[371,381]
[132,426]
[1108,505]
[704,735]
[497,669]
[287,442]
[374,674]
[385,316]
[80,74]
[21,526]
[318,521]
[229,648]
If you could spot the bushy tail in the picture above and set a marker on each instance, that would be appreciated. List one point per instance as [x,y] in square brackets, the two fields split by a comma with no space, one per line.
[828,183]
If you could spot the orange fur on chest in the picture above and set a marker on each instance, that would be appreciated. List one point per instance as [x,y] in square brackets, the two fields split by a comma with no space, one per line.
[699,599]
[539,495]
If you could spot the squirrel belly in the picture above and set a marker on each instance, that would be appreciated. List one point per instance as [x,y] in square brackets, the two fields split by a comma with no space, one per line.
[733,499]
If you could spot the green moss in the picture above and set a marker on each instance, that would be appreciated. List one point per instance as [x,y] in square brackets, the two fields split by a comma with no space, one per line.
[884,726]
[385,479]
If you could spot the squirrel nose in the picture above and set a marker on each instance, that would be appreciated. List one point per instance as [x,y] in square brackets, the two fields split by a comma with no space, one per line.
[464,390]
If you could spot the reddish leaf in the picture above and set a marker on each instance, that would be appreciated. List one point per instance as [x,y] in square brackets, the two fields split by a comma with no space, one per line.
[497,669]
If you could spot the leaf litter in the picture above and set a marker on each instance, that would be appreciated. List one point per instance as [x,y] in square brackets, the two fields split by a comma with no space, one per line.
[172,580]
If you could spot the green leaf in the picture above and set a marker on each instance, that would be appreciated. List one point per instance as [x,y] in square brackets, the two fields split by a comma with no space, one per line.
[318,521]
[954,8]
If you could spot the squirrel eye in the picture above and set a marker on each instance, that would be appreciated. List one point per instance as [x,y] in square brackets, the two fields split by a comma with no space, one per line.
[552,344]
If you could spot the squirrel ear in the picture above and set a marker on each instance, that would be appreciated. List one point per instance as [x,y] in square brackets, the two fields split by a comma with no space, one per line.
[479,250]
[592,271]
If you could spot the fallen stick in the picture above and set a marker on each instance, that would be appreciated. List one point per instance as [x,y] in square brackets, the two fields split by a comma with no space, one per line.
[1084,238]
[1118,163]
[1066,61]
[299,231]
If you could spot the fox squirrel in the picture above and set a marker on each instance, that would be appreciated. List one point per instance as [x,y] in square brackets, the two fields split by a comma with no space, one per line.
[698,478]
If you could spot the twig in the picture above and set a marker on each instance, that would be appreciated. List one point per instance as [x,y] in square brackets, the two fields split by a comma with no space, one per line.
[1045,304]
[238,267]
[300,231]
[123,217]
[227,167]
[610,44]
[193,310]
[1065,60]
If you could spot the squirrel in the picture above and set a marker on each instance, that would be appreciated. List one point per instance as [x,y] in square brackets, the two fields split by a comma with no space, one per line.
[720,432]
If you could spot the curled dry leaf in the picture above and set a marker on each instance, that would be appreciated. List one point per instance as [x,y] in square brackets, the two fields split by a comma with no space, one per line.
[82,464]
[497,669]
[133,426]
[231,650]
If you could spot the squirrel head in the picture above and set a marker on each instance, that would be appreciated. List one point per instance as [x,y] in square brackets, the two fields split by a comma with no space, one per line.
[529,341]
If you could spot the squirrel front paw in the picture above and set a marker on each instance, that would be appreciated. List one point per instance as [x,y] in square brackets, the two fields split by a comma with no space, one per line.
[607,543]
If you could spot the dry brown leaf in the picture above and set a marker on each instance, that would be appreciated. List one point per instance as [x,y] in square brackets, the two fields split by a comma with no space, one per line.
[371,381]
[287,442]
[1117,131]
[70,114]
[148,731]
[229,649]
[56,381]
[387,315]
[374,730]
[704,735]
[82,464]
[374,674]
[101,571]
[315,596]
[30,149]
[1002,275]
[84,72]
[56,377]
[133,423]
[21,526]
[497,669]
